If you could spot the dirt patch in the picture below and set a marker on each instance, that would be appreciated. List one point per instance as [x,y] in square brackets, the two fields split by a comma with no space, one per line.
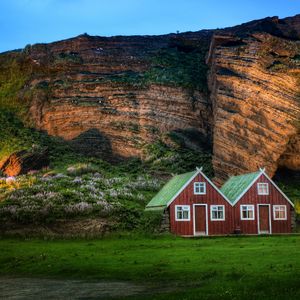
[33,288]
[60,228]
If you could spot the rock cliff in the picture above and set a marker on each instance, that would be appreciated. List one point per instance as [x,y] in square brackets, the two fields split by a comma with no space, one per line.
[254,84]
[236,89]
[114,95]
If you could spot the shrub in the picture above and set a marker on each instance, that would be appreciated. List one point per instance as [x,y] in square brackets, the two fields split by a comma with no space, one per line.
[151,221]
[128,216]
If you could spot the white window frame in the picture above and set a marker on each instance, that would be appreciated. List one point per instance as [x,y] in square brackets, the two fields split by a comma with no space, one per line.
[274,212]
[197,185]
[251,206]
[212,207]
[259,185]
[188,208]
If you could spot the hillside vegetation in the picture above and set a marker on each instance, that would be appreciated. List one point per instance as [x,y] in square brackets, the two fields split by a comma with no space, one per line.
[76,186]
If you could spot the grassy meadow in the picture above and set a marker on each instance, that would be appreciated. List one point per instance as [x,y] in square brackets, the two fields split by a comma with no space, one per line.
[204,268]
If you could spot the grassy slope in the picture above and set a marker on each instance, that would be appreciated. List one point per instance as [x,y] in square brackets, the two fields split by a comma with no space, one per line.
[230,268]
[94,188]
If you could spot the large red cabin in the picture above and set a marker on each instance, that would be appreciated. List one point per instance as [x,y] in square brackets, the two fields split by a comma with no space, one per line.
[195,206]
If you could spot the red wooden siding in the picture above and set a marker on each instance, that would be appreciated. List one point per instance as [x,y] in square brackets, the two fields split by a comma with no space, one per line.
[252,197]
[212,197]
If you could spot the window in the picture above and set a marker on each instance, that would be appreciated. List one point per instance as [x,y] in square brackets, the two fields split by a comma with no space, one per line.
[182,212]
[247,212]
[263,188]
[279,212]
[199,188]
[217,213]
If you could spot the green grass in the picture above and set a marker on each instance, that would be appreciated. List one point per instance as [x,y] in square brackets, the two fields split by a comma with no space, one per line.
[226,268]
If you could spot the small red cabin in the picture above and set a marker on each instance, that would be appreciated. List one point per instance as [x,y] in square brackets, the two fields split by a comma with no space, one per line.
[246,204]
[259,206]
[195,206]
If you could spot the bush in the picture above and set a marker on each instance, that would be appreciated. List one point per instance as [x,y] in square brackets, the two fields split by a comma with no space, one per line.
[128,216]
[150,221]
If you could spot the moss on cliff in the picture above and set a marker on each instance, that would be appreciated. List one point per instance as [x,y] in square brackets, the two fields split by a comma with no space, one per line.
[178,65]
[15,70]
[171,66]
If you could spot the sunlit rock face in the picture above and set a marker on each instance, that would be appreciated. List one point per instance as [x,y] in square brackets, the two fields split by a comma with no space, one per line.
[22,162]
[110,96]
[254,84]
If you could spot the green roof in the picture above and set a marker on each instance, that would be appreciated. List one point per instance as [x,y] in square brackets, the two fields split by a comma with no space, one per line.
[169,190]
[236,185]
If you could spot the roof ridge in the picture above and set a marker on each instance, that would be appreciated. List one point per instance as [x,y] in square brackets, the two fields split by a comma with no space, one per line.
[241,175]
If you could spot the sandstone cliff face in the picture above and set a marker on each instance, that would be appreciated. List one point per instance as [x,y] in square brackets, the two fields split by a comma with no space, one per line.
[112,96]
[97,93]
[255,95]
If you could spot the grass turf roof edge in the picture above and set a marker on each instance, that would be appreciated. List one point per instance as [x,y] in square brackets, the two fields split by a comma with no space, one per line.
[236,185]
[169,190]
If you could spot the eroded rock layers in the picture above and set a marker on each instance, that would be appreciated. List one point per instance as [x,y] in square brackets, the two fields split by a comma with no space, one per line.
[255,95]
[114,95]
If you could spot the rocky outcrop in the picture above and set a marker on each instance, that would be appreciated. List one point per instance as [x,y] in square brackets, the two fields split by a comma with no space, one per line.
[22,162]
[255,95]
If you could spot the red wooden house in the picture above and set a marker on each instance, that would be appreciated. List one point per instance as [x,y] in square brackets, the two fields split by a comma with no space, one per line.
[259,206]
[195,206]
[247,204]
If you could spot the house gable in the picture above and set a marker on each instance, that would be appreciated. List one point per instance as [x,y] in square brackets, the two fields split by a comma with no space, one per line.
[211,191]
[237,186]
[215,187]
[276,187]
[212,197]
[199,174]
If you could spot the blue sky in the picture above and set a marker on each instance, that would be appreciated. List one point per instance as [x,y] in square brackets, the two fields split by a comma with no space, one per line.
[34,21]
